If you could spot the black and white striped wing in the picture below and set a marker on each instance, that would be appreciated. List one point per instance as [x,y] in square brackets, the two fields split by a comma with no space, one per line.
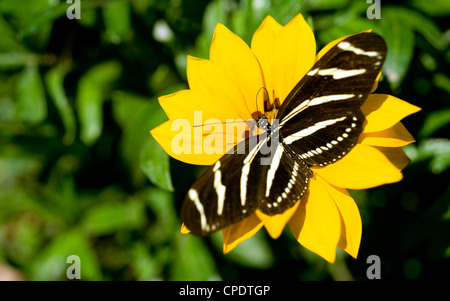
[318,123]
[283,181]
[321,120]
[216,199]
[238,184]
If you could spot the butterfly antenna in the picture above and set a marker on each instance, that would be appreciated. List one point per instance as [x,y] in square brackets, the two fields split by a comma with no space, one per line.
[258,113]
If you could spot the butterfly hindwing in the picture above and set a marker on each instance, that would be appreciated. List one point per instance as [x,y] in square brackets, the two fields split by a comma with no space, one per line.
[238,184]
[283,182]
[326,141]
[214,200]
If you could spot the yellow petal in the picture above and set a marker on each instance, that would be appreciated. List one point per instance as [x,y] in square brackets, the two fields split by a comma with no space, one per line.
[184,229]
[351,226]
[234,56]
[293,55]
[237,233]
[181,142]
[262,42]
[365,167]
[182,104]
[375,84]
[395,155]
[316,224]
[197,132]
[276,223]
[396,136]
[205,76]
[384,111]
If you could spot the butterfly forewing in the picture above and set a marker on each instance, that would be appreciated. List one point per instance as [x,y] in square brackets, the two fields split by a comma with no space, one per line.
[321,117]
[318,124]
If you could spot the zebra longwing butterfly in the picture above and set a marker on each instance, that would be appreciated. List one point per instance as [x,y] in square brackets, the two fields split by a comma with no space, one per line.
[318,123]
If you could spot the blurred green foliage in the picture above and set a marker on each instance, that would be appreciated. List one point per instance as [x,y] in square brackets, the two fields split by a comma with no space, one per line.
[80,173]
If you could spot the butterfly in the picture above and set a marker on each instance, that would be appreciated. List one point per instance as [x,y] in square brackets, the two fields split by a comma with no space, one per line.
[318,123]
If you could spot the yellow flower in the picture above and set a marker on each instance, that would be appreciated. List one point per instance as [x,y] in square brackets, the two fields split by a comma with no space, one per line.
[225,87]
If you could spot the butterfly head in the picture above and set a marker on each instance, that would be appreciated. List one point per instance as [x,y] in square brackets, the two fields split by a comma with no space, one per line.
[263,124]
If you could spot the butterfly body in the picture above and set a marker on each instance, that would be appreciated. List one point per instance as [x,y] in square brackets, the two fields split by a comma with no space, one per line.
[317,124]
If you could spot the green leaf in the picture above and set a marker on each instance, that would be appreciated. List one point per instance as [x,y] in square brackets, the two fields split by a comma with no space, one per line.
[154,162]
[325,4]
[192,260]
[55,84]
[253,252]
[242,21]
[440,162]
[31,102]
[13,60]
[107,218]
[333,26]
[88,15]
[400,43]
[258,10]
[92,90]
[144,266]
[8,42]
[283,11]
[16,168]
[417,22]
[8,112]
[166,224]
[435,8]
[42,17]
[437,150]
[162,78]
[136,140]
[442,81]
[126,104]
[434,121]
[161,203]
[216,12]
[24,244]
[428,61]
[116,15]
[51,264]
